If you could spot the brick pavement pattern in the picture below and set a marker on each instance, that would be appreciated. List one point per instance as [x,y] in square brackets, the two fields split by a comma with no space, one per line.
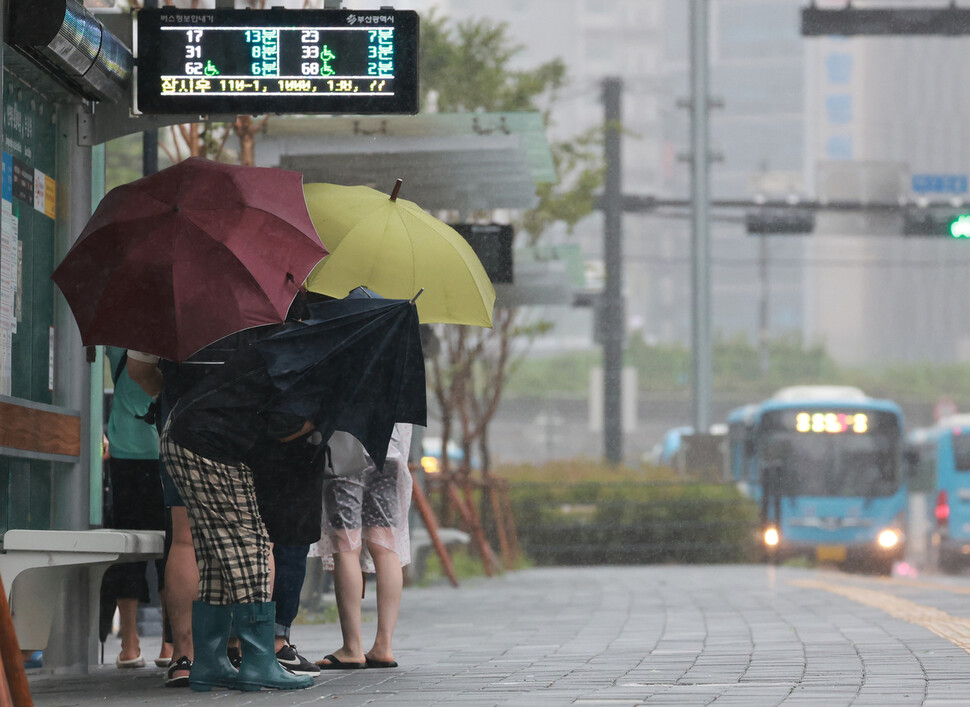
[747,636]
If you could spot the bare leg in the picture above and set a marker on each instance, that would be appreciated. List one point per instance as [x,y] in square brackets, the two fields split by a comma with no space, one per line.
[181,583]
[348,584]
[278,641]
[390,584]
[128,611]
[272,570]
[166,650]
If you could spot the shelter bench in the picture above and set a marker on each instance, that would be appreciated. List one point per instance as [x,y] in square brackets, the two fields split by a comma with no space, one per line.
[36,564]
[421,546]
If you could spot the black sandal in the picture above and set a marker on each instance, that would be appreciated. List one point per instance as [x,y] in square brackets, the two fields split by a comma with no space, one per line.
[334,663]
[176,666]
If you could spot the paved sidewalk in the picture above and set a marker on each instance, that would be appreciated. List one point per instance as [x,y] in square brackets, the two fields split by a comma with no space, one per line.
[655,635]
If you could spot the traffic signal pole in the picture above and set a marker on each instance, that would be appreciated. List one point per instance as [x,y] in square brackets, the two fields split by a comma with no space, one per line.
[614,204]
[614,320]
[700,217]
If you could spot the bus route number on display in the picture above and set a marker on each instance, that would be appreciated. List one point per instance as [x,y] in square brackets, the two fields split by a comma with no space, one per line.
[276,61]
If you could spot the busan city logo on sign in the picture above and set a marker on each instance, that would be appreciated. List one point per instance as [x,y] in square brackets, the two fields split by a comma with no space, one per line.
[370,19]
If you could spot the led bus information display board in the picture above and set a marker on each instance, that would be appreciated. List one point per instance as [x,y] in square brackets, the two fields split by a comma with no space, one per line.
[276,61]
[829,422]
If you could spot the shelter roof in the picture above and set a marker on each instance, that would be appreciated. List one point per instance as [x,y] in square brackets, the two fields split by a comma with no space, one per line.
[461,161]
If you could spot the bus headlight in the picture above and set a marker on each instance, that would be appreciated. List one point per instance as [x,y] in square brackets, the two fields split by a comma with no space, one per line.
[771,536]
[888,539]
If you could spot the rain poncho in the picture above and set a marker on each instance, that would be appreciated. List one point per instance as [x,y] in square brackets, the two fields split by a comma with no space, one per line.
[362,503]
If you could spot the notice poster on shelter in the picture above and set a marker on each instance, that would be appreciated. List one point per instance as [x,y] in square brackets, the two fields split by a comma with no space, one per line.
[49,206]
[44,194]
[6,363]
[23,181]
[7,271]
[9,267]
[9,279]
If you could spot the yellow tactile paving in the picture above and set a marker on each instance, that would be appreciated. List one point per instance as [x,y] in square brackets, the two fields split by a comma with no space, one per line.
[906,582]
[952,628]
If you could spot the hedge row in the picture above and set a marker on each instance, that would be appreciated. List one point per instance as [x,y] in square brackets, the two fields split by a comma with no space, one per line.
[634,523]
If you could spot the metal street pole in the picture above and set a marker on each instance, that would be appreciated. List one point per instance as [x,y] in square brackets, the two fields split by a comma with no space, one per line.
[612,310]
[701,242]
[764,360]
[149,138]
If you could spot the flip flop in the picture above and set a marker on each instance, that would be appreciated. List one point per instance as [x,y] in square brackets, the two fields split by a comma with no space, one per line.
[138,662]
[162,662]
[381,663]
[337,664]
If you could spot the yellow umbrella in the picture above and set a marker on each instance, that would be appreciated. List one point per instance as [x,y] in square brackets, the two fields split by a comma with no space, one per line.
[395,248]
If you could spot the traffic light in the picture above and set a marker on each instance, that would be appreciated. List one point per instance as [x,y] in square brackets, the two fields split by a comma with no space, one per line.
[492,244]
[850,21]
[960,226]
[780,221]
[925,222]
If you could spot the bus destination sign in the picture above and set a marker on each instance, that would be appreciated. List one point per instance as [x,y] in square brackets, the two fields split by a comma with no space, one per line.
[831,422]
[276,61]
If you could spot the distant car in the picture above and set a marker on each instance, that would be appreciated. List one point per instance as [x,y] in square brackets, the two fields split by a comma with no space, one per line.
[665,452]
[431,454]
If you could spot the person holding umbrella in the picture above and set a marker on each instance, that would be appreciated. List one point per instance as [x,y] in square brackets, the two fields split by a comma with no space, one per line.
[168,381]
[356,365]
[365,526]
[136,502]
[171,263]
[210,433]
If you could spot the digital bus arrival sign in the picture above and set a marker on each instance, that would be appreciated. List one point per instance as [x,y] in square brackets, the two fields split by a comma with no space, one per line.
[276,61]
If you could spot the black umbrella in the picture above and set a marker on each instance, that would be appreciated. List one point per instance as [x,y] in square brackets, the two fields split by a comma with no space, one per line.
[355,365]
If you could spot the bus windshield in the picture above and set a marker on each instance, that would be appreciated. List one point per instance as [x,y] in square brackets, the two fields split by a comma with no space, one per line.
[835,465]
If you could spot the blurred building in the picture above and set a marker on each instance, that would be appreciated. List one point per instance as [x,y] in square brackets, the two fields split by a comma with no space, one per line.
[887,120]
[856,118]
[757,69]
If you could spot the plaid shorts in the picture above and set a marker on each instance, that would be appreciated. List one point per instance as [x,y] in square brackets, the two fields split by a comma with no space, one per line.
[231,543]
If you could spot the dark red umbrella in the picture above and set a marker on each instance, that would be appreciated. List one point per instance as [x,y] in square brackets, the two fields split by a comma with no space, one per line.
[177,260]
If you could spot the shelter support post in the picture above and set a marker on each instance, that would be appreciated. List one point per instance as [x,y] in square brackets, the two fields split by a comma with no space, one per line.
[13,679]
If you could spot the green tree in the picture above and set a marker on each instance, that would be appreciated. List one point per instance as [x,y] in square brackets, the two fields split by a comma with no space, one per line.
[468,67]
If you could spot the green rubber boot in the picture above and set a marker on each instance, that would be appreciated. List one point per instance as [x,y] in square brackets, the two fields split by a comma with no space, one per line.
[255,623]
[210,635]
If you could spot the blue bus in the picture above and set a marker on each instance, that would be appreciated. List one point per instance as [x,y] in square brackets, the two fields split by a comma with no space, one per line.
[938,470]
[824,463]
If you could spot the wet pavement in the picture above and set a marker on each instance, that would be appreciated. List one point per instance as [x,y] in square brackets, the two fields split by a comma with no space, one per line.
[656,635]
